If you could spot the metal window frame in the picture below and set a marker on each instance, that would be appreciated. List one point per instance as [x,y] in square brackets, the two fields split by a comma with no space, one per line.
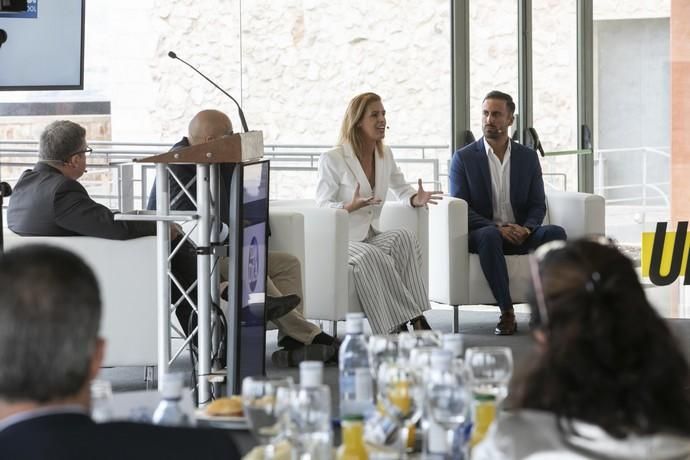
[585,92]
[459,72]
[460,78]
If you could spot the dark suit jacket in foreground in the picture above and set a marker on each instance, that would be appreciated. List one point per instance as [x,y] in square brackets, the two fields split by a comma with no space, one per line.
[470,180]
[47,203]
[77,437]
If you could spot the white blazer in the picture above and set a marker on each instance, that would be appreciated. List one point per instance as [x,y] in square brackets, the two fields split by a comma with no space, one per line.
[339,173]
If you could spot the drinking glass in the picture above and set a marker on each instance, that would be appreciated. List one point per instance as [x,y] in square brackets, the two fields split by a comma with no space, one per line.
[401,392]
[420,360]
[101,400]
[408,341]
[382,349]
[263,407]
[448,404]
[308,422]
[489,370]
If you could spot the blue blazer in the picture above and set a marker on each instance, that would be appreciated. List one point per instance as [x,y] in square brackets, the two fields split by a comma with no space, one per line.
[470,179]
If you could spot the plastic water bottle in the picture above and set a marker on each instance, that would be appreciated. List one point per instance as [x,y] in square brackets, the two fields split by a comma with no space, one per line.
[310,414]
[356,386]
[169,411]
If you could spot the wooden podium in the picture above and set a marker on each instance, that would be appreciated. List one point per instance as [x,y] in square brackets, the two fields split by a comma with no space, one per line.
[240,149]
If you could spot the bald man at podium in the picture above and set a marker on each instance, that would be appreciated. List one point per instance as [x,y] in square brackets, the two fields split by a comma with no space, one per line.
[299,340]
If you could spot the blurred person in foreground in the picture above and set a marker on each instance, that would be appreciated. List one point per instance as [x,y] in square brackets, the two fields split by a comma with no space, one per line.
[607,379]
[50,351]
[356,176]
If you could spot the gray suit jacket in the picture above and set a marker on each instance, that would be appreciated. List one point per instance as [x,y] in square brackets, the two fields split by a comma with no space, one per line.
[47,203]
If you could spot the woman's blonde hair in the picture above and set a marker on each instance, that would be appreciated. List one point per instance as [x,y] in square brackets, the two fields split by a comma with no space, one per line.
[349,131]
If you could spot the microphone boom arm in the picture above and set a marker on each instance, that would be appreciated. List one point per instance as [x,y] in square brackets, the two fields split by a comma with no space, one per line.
[172,55]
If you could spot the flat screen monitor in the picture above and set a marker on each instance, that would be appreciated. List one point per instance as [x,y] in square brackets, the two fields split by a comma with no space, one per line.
[44,49]
[253,241]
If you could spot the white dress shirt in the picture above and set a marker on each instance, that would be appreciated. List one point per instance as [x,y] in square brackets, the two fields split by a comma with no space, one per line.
[500,185]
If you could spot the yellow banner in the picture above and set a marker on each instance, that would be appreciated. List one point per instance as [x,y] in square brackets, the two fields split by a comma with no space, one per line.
[646,256]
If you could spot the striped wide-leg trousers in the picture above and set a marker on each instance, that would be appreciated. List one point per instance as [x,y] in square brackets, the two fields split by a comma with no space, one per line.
[388,278]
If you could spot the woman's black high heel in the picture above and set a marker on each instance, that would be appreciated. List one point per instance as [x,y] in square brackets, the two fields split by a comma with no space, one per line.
[420,324]
[400,329]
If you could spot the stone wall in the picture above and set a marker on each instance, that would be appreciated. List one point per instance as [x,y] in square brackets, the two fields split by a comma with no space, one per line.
[295,64]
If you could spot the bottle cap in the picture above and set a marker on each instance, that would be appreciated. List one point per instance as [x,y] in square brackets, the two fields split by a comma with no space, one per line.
[453,343]
[352,418]
[441,359]
[354,323]
[310,373]
[171,385]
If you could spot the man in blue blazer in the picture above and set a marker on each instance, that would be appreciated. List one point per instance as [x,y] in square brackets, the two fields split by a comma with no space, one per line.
[502,184]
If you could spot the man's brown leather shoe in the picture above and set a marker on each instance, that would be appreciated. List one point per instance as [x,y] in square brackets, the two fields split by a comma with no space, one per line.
[506,324]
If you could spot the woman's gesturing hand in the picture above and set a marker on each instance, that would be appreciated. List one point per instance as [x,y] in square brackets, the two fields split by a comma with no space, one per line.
[358,201]
[422,197]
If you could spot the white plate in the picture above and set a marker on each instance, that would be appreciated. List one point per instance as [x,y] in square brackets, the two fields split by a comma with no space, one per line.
[221,421]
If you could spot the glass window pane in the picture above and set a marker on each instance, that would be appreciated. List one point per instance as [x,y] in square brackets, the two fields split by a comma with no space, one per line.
[632,123]
[633,132]
[303,61]
[554,74]
[493,54]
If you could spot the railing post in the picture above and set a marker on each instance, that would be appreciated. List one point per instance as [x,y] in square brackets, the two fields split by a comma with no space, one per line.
[125,187]
[162,281]
[644,184]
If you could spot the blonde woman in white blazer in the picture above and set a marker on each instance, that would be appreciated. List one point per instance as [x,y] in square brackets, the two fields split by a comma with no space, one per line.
[356,176]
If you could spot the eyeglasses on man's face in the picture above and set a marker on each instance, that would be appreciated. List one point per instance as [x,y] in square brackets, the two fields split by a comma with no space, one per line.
[87,151]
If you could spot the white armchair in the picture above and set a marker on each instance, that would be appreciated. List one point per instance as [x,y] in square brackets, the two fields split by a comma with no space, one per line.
[329,285]
[456,278]
[126,273]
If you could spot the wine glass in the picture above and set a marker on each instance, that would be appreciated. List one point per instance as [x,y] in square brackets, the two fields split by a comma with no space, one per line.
[401,392]
[260,397]
[490,370]
[408,341]
[448,401]
[101,400]
[420,360]
[382,349]
[308,420]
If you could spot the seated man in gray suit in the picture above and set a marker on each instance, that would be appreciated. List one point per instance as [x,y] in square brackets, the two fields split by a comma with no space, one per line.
[49,201]
[50,310]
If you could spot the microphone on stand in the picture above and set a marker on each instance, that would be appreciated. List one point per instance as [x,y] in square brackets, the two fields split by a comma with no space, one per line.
[172,55]
[5,190]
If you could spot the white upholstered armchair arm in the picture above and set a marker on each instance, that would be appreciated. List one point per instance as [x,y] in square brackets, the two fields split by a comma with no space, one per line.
[448,254]
[325,257]
[287,235]
[580,214]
